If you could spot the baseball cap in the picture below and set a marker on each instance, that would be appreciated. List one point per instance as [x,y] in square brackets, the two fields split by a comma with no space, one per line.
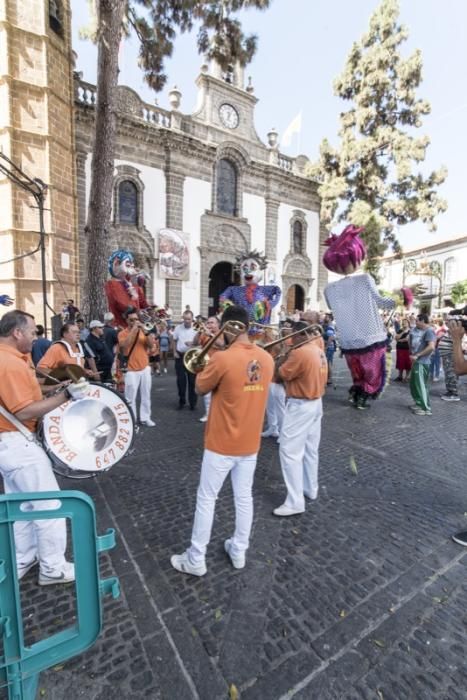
[96,324]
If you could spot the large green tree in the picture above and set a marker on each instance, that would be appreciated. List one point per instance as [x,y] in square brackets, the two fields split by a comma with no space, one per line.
[155,23]
[375,173]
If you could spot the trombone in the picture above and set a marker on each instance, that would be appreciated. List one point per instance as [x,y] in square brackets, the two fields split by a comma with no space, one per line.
[196,359]
[316,333]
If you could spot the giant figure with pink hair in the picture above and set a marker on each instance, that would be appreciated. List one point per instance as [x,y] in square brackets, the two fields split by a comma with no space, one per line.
[356,303]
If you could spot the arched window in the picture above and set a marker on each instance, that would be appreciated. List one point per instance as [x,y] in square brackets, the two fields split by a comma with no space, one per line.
[56,16]
[450,270]
[127,203]
[297,237]
[226,187]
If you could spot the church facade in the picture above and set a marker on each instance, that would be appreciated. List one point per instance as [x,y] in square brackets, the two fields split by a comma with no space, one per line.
[191,191]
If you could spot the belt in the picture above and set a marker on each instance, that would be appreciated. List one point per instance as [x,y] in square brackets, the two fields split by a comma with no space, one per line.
[302,398]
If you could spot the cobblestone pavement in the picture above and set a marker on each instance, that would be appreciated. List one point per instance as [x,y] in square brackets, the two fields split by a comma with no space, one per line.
[362,597]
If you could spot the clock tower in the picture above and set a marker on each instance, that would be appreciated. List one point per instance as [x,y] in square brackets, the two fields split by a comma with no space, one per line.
[225,105]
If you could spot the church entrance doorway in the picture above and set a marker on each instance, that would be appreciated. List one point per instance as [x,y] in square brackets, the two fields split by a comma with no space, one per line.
[295,298]
[221,275]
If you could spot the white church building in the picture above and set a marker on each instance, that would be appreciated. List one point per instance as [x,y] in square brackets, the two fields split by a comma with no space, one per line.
[193,191]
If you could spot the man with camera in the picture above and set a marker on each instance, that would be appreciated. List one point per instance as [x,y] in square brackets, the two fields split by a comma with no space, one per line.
[457,330]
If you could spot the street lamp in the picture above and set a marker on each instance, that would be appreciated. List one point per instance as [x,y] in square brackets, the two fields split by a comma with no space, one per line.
[425,268]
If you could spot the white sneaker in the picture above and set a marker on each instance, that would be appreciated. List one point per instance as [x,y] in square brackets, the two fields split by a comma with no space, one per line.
[183,564]
[238,560]
[148,423]
[65,575]
[165,371]
[284,510]
[269,433]
[203,419]
[312,495]
[22,571]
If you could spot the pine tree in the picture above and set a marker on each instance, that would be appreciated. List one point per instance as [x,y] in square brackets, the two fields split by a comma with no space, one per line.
[155,23]
[374,172]
[374,248]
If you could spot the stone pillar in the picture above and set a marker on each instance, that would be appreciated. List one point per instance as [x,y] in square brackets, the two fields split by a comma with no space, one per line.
[272,215]
[174,219]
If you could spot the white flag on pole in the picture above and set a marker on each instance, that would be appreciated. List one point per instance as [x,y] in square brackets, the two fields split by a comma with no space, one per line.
[294,127]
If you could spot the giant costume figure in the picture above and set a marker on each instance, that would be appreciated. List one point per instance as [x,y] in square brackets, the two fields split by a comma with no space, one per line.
[125,289]
[355,303]
[259,300]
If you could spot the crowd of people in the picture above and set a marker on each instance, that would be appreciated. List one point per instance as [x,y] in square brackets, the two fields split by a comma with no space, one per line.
[242,384]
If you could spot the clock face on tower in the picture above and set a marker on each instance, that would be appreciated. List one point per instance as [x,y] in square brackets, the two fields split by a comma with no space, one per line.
[229,116]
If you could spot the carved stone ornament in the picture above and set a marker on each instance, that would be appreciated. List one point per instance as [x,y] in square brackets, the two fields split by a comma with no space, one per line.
[128,101]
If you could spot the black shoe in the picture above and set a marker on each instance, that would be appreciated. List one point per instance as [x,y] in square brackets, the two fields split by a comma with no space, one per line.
[192,408]
[398,379]
[180,406]
[460,538]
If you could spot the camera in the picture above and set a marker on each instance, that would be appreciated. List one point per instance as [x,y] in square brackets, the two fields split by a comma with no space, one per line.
[459,315]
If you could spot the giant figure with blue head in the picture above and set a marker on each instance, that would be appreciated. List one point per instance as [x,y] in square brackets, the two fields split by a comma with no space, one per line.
[125,289]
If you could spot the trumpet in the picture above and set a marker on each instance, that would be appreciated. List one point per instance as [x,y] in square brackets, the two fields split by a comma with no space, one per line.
[200,327]
[316,333]
[149,323]
[196,359]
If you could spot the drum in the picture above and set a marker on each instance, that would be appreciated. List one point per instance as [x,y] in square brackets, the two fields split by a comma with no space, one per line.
[84,438]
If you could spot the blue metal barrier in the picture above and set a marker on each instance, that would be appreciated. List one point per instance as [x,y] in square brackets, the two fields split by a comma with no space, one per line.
[20,665]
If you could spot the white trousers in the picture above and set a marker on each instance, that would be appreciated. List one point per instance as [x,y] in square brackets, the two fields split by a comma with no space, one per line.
[275,407]
[25,467]
[139,379]
[299,444]
[214,470]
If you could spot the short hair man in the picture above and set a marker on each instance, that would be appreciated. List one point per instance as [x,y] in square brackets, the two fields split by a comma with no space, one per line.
[96,346]
[457,331]
[24,465]
[239,379]
[40,345]
[422,344]
[182,339]
[134,344]
[304,370]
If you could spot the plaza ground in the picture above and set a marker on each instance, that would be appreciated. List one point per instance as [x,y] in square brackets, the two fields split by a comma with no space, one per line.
[362,597]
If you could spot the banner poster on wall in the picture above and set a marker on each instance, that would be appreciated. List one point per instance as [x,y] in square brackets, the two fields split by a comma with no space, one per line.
[174,254]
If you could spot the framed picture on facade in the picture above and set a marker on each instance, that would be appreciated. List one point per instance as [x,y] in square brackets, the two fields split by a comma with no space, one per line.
[174,254]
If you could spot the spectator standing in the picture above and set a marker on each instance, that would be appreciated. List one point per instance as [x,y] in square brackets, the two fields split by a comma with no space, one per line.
[445,348]
[95,345]
[72,311]
[422,345]
[403,361]
[110,332]
[164,345]
[83,331]
[40,345]
[182,338]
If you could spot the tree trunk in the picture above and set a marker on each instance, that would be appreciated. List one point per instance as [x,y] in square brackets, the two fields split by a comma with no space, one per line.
[110,18]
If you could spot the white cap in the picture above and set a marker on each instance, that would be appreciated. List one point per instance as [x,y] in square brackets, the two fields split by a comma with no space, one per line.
[96,324]
[108,316]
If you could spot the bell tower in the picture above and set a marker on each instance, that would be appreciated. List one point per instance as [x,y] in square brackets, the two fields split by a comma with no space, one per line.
[36,134]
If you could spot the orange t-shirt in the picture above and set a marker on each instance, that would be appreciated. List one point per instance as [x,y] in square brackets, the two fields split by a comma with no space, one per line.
[18,386]
[58,356]
[239,379]
[305,372]
[139,358]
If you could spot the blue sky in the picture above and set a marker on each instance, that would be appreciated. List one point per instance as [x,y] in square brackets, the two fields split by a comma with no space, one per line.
[302,47]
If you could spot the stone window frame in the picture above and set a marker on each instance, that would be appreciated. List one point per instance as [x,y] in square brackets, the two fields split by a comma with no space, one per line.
[451,261]
[239,159]
[56,22]
[298,216]
[132,174]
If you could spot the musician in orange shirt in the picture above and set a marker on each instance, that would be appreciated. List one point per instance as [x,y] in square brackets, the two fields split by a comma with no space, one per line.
[239,379]
[304,370]
[24,465]
[137,347]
